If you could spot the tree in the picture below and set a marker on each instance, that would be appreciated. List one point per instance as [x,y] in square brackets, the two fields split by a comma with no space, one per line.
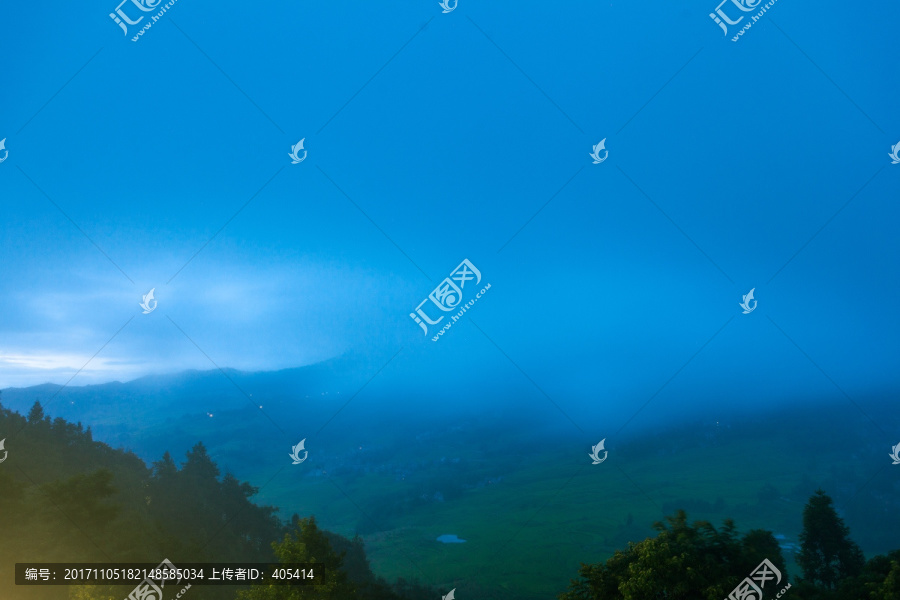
[878,581]
[683,562]
[200,469]
[890,588]
[759,544]
[85,500]
[827,554]
[165,469]
[36,414]
[310,546]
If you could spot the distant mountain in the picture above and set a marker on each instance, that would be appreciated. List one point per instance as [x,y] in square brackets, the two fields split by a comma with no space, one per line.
[116,411]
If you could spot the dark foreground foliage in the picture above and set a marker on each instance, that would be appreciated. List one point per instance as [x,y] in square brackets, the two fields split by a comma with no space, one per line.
[699,562]
[689,561]
[337,579]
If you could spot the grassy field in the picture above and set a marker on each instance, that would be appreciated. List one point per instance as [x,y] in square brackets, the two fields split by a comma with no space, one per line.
[532,512]
[526,499]
[527,533]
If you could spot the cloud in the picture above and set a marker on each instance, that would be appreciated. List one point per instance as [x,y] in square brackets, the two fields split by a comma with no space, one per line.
[230,314]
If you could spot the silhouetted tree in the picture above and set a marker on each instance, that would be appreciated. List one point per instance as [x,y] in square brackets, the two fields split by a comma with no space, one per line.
[683,562]
[165,469]
[36,414]
[827,554]
[758,544]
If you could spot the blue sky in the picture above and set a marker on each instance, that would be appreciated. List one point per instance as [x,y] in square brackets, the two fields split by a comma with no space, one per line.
[437,137]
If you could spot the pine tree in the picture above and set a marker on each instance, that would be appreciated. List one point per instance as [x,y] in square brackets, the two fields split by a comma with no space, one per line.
[36,414]
[827,554]
[165,469]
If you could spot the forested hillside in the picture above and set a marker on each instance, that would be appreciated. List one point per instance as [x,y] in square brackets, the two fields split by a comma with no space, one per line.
[67,498]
